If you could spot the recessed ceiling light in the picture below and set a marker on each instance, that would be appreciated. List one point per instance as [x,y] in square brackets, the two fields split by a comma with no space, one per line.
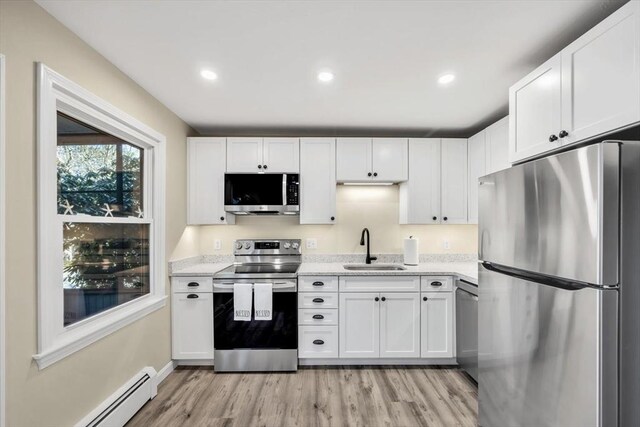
[325,76]
[445,79]
[208,74]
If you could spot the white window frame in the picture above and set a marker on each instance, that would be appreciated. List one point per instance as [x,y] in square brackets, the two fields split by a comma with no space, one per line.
[57,93]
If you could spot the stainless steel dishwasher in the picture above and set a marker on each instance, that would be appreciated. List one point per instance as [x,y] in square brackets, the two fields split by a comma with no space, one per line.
[467,327]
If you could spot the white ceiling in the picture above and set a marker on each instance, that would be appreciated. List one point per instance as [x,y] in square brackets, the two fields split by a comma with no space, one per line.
[386,56]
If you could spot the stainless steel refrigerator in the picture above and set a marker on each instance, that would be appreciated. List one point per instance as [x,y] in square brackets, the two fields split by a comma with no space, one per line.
[559,290]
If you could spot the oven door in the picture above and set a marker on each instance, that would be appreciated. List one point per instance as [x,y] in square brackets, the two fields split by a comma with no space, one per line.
[279,333]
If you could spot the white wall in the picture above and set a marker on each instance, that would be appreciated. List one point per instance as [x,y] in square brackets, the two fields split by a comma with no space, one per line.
[357,207]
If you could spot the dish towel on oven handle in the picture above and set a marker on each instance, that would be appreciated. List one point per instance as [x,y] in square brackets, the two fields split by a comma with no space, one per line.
[242,301]
[263,294]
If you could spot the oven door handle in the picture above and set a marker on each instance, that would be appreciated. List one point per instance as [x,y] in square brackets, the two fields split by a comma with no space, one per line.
[276,286]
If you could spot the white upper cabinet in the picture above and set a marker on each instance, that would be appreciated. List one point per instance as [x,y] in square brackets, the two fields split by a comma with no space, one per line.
[353,159]
[371,159]
[534,111]
[497,146]
[244,155]
[206,158]
[601,77]
[454,181]
[420,195]
[588,89]
[390,157]
[476,168]
[276,155]
[281,155]
[317,181]
[400,324]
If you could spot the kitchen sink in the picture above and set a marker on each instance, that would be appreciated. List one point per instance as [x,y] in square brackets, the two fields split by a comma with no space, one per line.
[374,267]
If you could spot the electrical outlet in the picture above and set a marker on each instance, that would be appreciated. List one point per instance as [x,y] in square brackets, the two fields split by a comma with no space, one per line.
[446,244]
[217,244]
[312,243]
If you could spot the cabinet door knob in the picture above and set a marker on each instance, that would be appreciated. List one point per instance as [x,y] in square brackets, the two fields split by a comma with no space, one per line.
[377,299]
[192,296]
[318,316]
[553,138]
[259,166]
[333,218]
[221,218]
[434,218]
[318,300]
[318,283]
[563,133]
[264,166]
[318,342]
[369,174]
[193,284]
[384,299]
[445,218]
[375,174]
[424,298]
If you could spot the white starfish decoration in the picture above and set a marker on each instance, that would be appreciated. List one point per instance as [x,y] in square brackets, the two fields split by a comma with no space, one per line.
[108,210]
[140,213]
[68,208]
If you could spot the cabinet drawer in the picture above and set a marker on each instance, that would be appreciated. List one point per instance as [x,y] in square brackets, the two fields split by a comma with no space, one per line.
[318,284]
[192,284]
[436,283]
[320,316]
[379,283]
[317,341]
[318,300]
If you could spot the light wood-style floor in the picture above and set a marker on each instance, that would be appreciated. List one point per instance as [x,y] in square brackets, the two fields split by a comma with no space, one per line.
[332,396]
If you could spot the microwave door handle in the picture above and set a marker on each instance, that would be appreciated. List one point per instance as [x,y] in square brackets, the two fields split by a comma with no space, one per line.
[284,189]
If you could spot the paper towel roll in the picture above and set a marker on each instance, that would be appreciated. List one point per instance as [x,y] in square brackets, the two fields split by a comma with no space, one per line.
[411,251]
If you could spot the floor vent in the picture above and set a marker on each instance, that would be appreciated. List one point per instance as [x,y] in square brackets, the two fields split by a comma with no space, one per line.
[124,403]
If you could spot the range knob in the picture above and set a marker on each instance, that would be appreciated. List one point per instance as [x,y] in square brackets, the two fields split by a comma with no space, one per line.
[238,245]
[295,245]
[247,245]
[287,245]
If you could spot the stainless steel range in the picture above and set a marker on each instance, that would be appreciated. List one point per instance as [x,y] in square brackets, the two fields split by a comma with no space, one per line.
[258,345]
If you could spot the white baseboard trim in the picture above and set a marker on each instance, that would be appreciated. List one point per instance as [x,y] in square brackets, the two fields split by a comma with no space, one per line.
[377,362]
[123,404]
[165,371]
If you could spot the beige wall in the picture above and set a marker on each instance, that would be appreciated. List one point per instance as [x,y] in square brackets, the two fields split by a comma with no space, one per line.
[357,207]
[63,393]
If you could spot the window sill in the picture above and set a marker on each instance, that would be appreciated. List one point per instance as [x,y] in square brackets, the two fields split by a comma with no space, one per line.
[98,329]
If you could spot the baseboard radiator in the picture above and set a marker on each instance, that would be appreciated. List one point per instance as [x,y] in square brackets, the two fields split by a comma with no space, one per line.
[122,405]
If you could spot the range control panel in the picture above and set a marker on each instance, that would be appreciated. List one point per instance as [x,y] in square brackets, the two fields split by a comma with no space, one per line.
[267,247]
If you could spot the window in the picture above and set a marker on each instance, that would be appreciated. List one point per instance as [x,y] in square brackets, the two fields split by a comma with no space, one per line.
[101,211]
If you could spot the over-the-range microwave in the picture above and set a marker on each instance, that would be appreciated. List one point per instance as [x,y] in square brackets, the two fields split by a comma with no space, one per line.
[261,193]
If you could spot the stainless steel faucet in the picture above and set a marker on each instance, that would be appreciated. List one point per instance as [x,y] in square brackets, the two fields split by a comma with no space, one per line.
[369,257]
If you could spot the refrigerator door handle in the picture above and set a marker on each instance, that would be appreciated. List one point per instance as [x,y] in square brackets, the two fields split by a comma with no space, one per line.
[542,279]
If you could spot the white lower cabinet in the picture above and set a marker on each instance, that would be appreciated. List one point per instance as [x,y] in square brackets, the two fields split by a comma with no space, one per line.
[192,325]
[400,325]
[359,324]
[317,342]
[437,325]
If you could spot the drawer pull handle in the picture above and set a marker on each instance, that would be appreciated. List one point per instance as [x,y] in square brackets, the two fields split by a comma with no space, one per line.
[318,283]
[318,300]
[436,283]
[193,284]
[318,316]
[191,296]
[318,342]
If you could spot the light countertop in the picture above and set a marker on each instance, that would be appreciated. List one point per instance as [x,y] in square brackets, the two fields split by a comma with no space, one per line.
[467,270]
